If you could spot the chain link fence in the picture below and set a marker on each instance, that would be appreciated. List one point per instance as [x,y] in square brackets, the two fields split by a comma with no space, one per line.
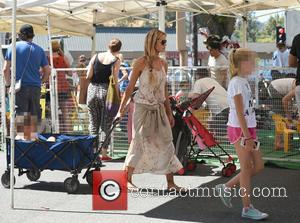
[277,125]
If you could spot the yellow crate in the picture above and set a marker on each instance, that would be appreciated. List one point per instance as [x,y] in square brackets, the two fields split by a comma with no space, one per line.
[202,115]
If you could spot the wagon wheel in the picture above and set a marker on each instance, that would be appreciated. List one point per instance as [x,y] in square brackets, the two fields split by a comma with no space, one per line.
[71,185]
[89,177]
[5,180]
[33,174]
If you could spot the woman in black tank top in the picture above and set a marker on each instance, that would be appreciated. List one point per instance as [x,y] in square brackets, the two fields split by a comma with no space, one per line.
[101,66]
[101,71]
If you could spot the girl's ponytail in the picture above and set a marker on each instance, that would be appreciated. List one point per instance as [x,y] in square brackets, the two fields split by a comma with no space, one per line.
[232,64]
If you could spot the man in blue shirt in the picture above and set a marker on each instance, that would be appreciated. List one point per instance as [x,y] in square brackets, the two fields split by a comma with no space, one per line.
[32,69]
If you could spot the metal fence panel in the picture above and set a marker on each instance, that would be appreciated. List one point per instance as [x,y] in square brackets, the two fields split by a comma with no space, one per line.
[73,117]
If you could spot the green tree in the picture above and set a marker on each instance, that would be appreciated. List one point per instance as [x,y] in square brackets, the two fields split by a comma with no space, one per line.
[128,22]
[217,25]
[252,28]
[257,31]
[269,30]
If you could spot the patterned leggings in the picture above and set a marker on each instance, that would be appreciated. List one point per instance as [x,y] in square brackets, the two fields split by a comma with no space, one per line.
[99,121]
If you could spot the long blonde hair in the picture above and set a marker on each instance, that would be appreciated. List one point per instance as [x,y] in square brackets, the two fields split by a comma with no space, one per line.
[236,56]
[149,50]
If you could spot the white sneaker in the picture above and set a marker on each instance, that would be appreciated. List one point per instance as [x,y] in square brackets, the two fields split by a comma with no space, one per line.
[224,194]
[253,213]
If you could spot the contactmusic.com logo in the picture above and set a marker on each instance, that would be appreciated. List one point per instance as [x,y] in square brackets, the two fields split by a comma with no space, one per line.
[110,190]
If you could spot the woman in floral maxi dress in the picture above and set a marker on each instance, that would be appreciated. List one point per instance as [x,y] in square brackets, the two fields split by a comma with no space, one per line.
[151,150]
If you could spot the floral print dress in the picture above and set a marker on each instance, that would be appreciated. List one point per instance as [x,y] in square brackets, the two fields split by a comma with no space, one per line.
[152,150]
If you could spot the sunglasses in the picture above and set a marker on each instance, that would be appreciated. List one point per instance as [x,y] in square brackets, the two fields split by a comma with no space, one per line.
[163,42]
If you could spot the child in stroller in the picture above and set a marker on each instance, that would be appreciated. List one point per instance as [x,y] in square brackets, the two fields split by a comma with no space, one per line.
[188,132]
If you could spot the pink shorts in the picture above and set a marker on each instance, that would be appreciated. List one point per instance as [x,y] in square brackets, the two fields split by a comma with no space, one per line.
[235,133]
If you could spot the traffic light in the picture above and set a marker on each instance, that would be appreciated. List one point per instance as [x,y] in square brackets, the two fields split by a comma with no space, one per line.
[280,34]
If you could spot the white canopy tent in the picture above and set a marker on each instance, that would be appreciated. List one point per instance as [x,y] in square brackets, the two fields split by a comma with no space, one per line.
[80,17]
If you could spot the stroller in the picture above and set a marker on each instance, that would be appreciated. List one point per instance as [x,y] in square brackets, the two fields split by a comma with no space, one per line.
[188,132]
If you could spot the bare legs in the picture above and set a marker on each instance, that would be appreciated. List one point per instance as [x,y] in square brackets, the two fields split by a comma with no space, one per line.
[171,183]
[26,126]
[104,153]
[169,177]
[66,125]
[130,185]
[251,163]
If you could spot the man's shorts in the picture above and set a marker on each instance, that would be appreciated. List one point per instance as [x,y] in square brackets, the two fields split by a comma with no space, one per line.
[28,100]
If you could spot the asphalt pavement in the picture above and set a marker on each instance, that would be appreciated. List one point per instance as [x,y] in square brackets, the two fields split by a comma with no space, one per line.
[47,201]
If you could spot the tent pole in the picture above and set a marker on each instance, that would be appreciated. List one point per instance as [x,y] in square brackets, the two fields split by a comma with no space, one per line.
[181,39]
[245,24]
[162,19]
[52,81]
[3,105]
[93,50]
[162,15]
[12,103]
[94,34]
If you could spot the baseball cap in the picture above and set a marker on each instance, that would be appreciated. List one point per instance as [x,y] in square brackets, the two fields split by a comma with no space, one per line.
[212,38]
[213,42]
[281,43]
[27,30]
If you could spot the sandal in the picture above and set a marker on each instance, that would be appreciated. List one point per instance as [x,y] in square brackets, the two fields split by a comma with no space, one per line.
[132,188]
[177,189]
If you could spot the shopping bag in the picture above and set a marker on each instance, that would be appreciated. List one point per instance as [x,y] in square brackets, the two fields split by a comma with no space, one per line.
[112,98]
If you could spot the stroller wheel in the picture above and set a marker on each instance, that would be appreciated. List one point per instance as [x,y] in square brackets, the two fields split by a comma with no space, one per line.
[226,172]
[33,174]
[232,167]
[5,180]
[71,185]
[191,166]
